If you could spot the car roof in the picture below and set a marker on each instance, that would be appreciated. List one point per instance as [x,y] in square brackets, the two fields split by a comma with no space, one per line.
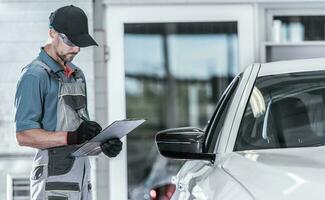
[283,67]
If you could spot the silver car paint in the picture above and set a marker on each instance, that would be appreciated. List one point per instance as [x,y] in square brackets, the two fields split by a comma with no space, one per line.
[199,169]
[263,174]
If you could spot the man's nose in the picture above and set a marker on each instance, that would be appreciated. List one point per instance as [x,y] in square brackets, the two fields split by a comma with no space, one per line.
[76,49]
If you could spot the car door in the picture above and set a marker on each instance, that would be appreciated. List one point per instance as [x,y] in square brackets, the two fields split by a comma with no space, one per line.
[195,177]
[222,131]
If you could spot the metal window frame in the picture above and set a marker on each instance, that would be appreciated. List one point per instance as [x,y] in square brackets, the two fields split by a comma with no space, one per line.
[10,180]
[115,20]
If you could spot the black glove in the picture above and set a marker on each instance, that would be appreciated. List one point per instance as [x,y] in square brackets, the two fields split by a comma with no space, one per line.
[86,131]
[112,147]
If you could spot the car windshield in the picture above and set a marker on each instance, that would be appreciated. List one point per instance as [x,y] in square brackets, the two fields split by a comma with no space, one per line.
[284,111]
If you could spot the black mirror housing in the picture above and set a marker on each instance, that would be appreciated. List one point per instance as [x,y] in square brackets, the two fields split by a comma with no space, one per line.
[182,143]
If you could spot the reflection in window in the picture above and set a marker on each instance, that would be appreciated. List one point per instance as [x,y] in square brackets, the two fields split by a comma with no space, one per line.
[144,56]
[175,74]
[207,55]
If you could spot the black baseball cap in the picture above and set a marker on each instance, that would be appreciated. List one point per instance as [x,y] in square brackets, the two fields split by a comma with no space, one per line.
[73,22]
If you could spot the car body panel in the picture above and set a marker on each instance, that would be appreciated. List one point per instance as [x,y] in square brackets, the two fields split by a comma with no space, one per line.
[183,187]
[291,174]
[242,92]
[291,66]
[201,180]
[221,144]
[237,112]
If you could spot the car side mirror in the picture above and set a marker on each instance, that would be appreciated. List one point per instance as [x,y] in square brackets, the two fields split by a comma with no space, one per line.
[183,143]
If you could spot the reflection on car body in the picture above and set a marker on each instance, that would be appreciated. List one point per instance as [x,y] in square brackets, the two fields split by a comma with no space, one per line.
[265,139]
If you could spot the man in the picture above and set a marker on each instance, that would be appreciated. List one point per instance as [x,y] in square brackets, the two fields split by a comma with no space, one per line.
[51,111]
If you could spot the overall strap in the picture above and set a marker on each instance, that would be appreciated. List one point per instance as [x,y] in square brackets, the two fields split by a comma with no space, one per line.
[47,69]
[78,75]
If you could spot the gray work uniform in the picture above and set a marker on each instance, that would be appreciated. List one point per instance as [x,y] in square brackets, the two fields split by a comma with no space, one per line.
[56,175]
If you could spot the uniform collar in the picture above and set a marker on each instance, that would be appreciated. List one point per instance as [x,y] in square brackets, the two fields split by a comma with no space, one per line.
[49,61]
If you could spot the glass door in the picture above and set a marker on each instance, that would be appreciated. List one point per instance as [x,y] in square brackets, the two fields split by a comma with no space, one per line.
[174,76]
[175,66]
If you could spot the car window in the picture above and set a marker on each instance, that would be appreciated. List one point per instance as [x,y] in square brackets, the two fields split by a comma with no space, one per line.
[284,111]
[216,124]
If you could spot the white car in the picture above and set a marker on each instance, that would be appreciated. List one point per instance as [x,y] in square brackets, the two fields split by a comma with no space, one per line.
[265,140]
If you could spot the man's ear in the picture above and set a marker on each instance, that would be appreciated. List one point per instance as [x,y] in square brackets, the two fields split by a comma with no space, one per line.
[52,33]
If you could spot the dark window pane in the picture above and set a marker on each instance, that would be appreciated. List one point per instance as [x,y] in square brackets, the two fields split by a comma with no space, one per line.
[300,28]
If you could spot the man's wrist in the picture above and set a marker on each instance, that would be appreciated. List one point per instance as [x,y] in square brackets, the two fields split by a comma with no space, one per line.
[72,137]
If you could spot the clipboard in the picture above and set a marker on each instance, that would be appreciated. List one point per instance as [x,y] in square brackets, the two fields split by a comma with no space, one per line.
[117,129]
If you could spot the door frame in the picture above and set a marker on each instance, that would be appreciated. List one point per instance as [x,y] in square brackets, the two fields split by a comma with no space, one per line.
[115,18]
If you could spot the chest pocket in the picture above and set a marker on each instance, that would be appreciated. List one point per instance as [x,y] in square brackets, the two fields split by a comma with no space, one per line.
[71,105]
[74,95]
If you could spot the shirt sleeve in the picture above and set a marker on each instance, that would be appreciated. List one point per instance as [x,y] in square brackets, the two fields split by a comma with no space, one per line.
[28,103]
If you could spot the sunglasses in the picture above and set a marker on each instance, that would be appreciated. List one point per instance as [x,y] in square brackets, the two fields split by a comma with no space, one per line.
[65,40]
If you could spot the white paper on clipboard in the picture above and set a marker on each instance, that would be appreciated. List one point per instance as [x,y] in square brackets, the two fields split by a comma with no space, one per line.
[117,129]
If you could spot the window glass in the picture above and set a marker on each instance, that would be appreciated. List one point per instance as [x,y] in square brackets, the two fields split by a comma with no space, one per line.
[284,111]
[175,74]
[220,114]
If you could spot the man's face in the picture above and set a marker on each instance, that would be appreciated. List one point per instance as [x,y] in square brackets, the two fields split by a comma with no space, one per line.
[64,48]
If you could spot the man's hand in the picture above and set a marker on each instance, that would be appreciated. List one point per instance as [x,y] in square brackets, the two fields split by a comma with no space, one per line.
[86,131]
[112,147]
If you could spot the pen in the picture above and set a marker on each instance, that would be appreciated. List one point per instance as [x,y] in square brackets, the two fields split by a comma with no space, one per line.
[84,118]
